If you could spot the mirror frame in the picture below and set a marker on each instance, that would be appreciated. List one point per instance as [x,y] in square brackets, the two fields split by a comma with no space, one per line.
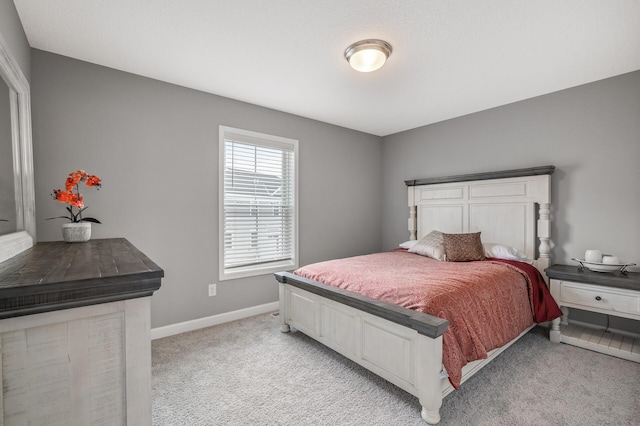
[20,103]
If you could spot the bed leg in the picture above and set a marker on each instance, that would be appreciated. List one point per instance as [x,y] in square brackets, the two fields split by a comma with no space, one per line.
[284,327]
[429,382]
[431,417]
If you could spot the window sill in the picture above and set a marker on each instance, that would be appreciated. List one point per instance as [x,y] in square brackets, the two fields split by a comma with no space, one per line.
[252,271]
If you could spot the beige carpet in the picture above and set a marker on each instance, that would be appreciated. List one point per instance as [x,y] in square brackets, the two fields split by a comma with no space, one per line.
[248,373]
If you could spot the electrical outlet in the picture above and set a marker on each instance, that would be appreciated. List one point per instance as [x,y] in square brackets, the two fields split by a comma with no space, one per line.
[212,290]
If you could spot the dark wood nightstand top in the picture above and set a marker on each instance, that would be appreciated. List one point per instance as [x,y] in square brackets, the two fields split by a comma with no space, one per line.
[607,279]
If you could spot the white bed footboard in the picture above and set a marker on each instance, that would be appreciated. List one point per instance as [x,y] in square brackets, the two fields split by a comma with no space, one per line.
[398,353]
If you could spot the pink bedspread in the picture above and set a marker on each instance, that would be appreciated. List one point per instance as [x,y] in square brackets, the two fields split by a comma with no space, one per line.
[487,304]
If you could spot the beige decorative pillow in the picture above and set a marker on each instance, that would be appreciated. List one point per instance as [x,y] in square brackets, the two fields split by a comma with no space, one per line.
[463,247]
[430,245]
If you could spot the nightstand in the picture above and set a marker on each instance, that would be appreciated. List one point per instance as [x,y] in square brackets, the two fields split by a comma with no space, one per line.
[603,292]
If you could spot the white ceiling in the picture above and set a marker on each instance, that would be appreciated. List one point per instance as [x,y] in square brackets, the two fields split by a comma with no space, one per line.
[450,57]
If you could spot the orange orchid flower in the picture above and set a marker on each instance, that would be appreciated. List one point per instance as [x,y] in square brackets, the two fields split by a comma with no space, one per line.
[94,181]
[75,199]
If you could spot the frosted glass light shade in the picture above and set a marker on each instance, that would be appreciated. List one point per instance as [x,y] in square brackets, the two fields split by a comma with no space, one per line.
[368,55]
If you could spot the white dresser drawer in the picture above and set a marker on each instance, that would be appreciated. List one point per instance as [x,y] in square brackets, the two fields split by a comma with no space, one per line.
[607,298]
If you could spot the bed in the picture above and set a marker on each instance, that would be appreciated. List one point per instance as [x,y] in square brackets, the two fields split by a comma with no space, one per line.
[405,346]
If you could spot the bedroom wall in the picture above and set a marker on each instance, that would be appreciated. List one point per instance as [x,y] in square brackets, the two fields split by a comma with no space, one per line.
[591,133]
[155,145]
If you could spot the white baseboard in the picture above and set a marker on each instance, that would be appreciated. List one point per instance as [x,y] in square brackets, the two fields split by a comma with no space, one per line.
[183,327]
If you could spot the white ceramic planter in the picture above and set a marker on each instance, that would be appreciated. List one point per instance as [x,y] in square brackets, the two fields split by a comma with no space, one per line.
[76,232]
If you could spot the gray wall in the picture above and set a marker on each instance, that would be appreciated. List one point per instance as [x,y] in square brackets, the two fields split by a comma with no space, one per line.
[155,145]
[591,134]
[13,34]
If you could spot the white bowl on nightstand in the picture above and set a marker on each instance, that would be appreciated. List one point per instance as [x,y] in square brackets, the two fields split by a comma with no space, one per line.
[605,267]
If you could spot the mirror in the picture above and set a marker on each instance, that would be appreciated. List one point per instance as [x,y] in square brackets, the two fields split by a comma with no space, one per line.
[17,195]
[8,222]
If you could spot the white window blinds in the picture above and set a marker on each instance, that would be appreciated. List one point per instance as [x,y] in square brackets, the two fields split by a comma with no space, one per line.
[259,203]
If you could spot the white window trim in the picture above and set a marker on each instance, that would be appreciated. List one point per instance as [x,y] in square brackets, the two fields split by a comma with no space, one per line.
[269,268]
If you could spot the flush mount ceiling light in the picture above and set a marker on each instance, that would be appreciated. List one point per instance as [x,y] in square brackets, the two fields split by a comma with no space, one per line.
[367,55]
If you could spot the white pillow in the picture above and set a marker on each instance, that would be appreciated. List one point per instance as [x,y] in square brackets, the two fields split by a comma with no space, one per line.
[408,244]
[500,251]
[431,245]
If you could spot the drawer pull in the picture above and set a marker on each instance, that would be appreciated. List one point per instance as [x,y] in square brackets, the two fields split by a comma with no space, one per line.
[598,298]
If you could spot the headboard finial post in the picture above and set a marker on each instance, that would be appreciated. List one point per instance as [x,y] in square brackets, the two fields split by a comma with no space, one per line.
[544,234]
[413,215]
[413,220]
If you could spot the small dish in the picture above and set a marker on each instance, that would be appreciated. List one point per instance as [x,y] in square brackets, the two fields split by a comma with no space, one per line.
[603,267]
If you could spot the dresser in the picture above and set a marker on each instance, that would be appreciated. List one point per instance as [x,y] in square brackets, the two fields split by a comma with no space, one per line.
[75,346]
[606,293]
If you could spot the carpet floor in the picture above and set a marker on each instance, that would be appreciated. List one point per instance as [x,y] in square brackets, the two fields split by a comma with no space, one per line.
[248,373]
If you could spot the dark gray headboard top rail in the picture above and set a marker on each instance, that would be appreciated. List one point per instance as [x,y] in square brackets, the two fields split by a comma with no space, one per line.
[532,171]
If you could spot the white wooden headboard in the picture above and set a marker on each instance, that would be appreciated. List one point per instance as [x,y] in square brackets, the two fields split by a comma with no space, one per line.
[500,205]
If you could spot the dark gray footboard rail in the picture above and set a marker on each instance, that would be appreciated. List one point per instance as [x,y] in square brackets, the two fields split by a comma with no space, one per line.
[427,325]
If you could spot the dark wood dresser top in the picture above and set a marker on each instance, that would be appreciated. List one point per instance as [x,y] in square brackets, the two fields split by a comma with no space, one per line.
[56,275]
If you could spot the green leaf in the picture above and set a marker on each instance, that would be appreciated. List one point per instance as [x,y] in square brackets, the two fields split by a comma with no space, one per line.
[90,219]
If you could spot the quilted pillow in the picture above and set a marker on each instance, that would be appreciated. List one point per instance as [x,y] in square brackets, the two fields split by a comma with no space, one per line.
[463,247]
[430,245]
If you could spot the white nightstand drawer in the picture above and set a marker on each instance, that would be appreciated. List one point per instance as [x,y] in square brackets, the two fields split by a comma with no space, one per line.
[615,300]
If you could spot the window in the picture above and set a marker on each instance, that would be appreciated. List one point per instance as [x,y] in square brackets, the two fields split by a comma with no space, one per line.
[258,203]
